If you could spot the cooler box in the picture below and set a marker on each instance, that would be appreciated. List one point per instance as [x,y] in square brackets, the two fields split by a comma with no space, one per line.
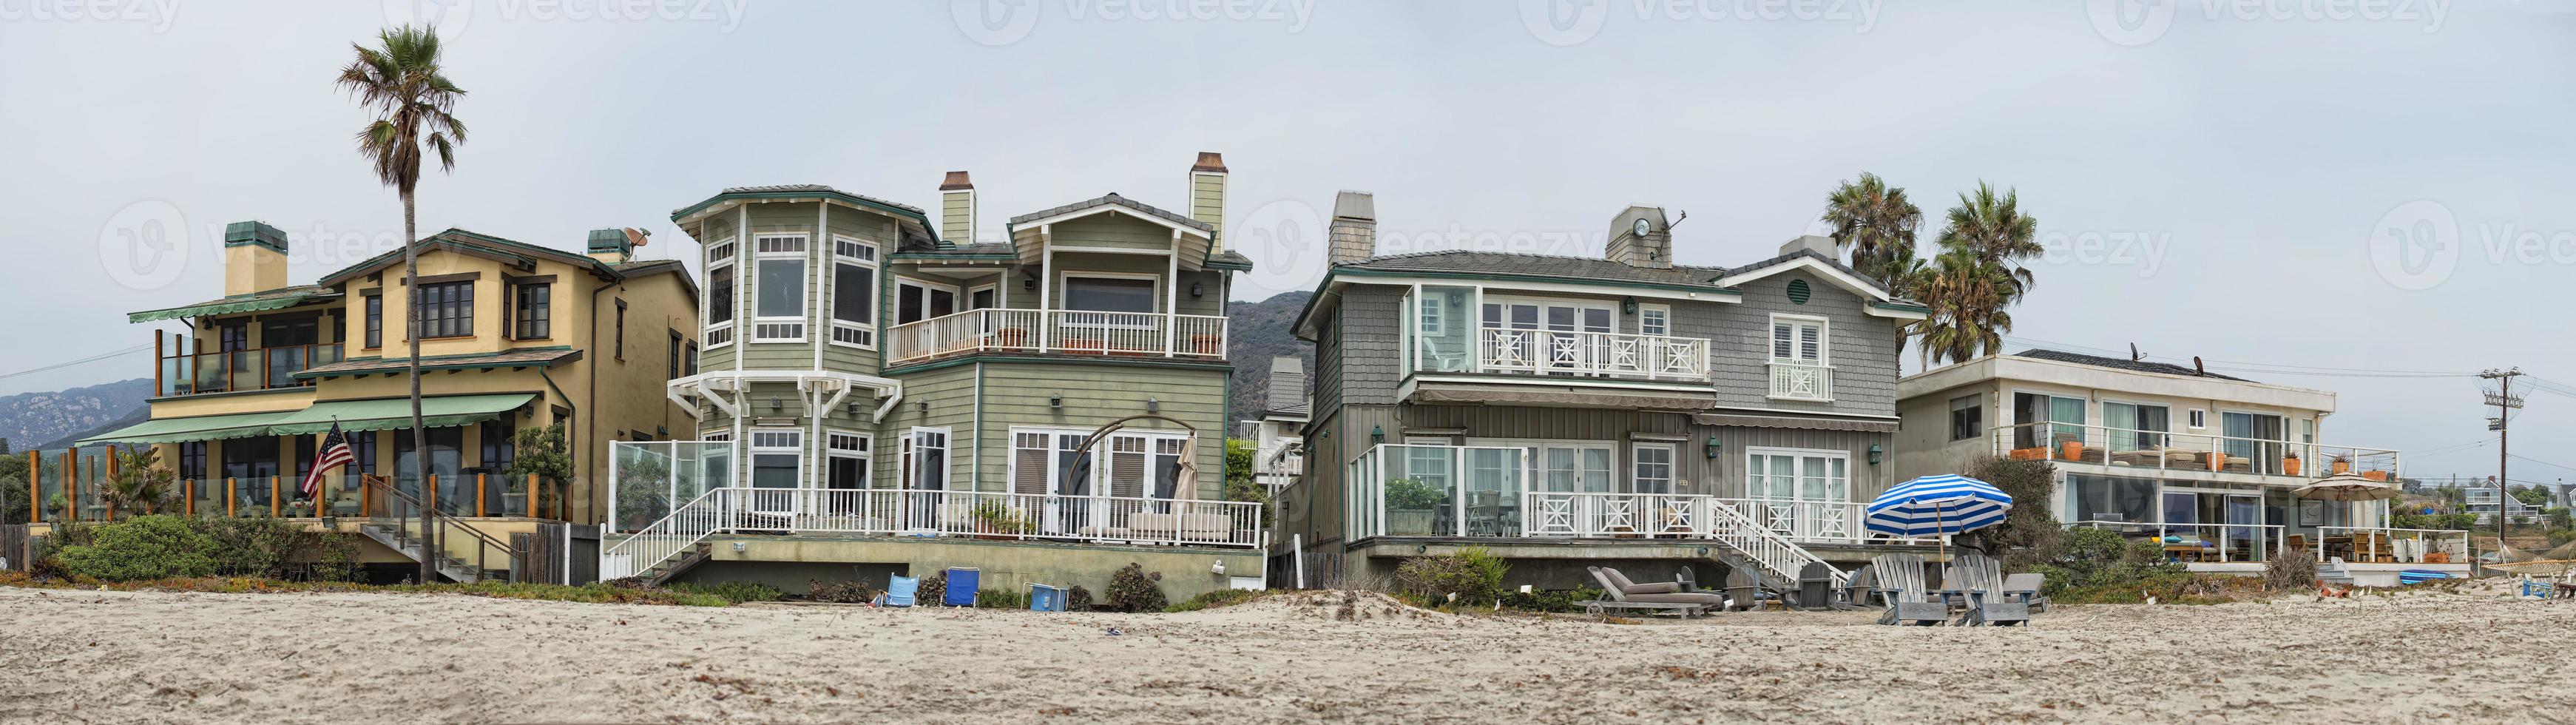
[1044,598]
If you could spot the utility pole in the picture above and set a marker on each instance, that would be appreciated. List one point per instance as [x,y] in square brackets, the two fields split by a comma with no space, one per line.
[2505,402]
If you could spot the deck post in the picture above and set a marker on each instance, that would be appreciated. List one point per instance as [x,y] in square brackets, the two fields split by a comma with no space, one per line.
[109,480]
[188,497]
[479,480]
[276,496]
[71,483]
[35,487]
[232,494]
[156,363]
[530,508]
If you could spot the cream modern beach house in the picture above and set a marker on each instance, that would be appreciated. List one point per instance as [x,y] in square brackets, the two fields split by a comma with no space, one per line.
[884,389]
[2202,463]
[1567,411]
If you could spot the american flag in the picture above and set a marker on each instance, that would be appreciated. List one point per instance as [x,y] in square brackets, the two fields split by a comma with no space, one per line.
[334,454]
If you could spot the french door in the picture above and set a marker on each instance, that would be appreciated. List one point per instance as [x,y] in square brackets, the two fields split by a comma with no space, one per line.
[1558,337]
[1576,467]
[1804,494]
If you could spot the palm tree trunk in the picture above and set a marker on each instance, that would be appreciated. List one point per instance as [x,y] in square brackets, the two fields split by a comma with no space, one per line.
[419,443]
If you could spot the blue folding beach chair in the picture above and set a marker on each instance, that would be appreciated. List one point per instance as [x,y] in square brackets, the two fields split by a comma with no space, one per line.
[899,591]
[962,583]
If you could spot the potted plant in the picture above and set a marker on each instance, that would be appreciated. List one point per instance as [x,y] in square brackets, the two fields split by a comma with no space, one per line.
[2290,463]
[993,520]
[2342,464]
[1011,337]
[1410,506]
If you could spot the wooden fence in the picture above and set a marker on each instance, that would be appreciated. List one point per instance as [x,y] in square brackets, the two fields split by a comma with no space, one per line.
[558,553]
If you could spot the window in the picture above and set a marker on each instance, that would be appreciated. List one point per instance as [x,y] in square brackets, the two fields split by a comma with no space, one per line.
[691,364]
[774,457]
[1652,469]
[1654,320]
[673,356]
[854,293]
[192,460]
[232,336]
[620,350]
[1109,294]
[1444,340]
[1797,340]
[925,459]
[720,294]
[848,455]
[1043,461]
[1428,314]
[500,445]
[2134,427]
[2047,421]
[1967,417]
[446,452]
[2199,418]
[375,315]
[362,448]
[2108,498]
[778,303]
[304,449]
[1802,492]
[534,315]
[917,301]
[447,309]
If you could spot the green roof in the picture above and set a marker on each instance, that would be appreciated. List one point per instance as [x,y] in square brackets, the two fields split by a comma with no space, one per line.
[200,428]
[270,300]
[445,411]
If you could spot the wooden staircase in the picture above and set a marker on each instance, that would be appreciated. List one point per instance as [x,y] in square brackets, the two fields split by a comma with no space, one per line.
[663,571]
[393,519]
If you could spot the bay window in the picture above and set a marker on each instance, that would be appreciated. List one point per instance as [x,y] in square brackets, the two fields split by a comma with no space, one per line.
[778,288]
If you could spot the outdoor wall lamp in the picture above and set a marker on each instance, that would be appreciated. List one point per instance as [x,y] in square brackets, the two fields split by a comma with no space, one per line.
[921,406]
[1873,454]
[1153,405]
[774,404]
[1714,448]
[1628,305]
[1196,290]
[1377,435]
[1056,401]
[1029,283]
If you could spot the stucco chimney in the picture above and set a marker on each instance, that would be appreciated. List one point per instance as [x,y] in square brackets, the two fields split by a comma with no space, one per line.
[957,209]
[1207,195]
[1287,382]
[254,258]
[615,246]
[1652,248]
[1353,234]
[1817,243]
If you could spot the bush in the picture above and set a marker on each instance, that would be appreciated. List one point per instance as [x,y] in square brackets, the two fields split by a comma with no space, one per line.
[1001,599]
[1406,494]
[734,592]
[839,592]
[932,590]
[1132,589]
[1560,600]
[2030,530]
[1077,599]
[2090,557]
[2290,568]
[144,547]
[1474,574]
[1214,599]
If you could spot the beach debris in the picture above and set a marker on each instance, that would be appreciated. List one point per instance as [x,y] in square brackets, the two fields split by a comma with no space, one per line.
[1112,631]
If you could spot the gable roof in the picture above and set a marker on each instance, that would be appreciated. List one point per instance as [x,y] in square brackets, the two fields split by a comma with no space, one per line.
[2120,364]
[1087,207]
[1828,267]
[776,192]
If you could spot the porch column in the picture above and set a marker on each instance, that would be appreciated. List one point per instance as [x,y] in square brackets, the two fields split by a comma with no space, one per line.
[1046,289]
[1172,281]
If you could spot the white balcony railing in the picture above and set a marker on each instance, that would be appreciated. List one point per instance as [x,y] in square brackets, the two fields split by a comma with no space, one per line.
[1071,332]
[2166,451]
[1600,354]
[1801,381]
[1615,515]
[905,512]
[1805,521]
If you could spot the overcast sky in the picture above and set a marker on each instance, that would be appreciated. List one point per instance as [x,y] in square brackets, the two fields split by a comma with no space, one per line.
[2212,175]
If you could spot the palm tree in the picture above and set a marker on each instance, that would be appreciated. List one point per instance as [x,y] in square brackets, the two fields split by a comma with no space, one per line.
[141,483]
[401,82]
[1875,223]
[1968,319]
[1995,230]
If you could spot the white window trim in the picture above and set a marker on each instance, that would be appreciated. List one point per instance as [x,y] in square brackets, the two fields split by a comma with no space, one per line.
[868,326]
[1430,324]
[804,300]
[1672,465]
[1824,339]
[866,456]
[1054,436]
[1064,288]
[1666,310]
[1799,455]
[912,448]
[751,457]
[927,286]
[966,298]
[713,332]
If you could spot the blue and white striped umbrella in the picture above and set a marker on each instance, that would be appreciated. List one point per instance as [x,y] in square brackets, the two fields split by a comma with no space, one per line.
[1936,505]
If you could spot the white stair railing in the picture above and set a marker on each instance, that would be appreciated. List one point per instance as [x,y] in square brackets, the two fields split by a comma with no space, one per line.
[1769,549]
[709,513]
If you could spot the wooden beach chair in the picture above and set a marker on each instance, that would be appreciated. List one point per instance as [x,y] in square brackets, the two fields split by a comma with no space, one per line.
[1976,581]
[2025,588]
[1855,594]
[1900,583]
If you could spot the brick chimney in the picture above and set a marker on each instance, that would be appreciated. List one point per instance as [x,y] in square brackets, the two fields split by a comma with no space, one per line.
[1352,235]
[957,209]
[1207,195]
[1652,249]
[615,246]
[254,258]
[1287,382]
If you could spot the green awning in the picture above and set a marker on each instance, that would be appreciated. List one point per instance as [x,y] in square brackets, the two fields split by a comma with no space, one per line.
[440,412]
[223,307]
[200,428]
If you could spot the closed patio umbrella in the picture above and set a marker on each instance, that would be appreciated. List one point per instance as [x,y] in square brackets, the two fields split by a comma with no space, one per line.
[2346,487]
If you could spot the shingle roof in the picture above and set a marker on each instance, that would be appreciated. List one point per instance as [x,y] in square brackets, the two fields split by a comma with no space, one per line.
[1121,201]
[2119,364]
[280,298]
[1786,258]
[964,250]
[1300,410]
[817,188]
[1230,259]
[525,357]
[1537,265]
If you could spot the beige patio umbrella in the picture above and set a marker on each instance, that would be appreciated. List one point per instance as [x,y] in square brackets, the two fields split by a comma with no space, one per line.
[2347,487]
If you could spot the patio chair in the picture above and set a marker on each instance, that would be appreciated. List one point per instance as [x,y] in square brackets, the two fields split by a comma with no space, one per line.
[1855,594]
[1976,582]
[1744,588]
[1657,597]
[899,591]
[962,585]
[2025,589]
[1900,583]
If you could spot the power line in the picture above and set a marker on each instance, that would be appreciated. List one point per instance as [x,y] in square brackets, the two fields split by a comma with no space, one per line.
[82,361]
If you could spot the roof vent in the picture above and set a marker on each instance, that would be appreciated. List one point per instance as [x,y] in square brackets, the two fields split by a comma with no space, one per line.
[1798,292]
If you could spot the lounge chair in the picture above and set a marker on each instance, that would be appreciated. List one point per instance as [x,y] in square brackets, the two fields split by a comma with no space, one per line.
[1900,583]
[1976,582]
[899,591]
[962,585]
[1658,597]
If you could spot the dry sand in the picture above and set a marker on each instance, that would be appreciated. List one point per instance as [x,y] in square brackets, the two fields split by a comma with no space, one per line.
[74,656]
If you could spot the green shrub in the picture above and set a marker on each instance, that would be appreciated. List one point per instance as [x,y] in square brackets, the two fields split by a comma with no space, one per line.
[734,592]
[1132,589]
[1411,495]
[1001,599]
[1558,600]
[257,547]
[1214,599]
[1474,574]
[144,547]
[1077,599]
[2090,557]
